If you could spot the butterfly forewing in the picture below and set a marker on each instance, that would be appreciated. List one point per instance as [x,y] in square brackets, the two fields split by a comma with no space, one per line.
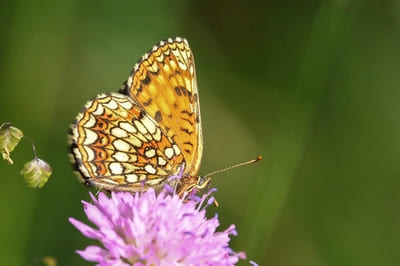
[164,84]
[118,146]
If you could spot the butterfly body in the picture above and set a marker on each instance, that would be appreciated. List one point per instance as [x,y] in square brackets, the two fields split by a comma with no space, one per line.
[146,133]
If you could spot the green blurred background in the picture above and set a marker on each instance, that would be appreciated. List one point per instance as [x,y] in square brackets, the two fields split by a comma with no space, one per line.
[313,86]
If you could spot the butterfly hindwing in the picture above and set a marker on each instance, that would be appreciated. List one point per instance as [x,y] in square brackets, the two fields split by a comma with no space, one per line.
[118,146]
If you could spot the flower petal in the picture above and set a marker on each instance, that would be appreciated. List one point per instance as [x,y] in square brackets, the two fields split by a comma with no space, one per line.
[85,229]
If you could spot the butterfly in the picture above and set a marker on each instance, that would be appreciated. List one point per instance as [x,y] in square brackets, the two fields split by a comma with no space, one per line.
[149,131]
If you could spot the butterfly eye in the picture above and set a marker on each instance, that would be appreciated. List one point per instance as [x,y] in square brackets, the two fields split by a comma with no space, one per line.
[202,182]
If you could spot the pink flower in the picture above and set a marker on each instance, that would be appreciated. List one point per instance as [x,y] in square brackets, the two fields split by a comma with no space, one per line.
[151,229]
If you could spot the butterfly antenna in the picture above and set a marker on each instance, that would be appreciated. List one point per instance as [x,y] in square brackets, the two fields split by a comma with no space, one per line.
[259,157]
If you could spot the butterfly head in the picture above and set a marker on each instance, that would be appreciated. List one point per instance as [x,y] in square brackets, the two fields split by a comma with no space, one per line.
[193,185]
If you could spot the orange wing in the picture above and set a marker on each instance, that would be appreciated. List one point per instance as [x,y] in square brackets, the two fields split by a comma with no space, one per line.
[117,146]
[164,84]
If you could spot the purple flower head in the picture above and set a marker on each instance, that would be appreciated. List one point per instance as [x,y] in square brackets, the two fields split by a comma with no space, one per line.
[154,229]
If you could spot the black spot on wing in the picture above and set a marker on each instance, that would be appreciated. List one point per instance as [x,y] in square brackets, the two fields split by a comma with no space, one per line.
[178,91]
[181,90]
[190,114]
[139,91]
[146,80]
[187,131]
[158,117]
[188,143]
[187,120]
[148,102]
